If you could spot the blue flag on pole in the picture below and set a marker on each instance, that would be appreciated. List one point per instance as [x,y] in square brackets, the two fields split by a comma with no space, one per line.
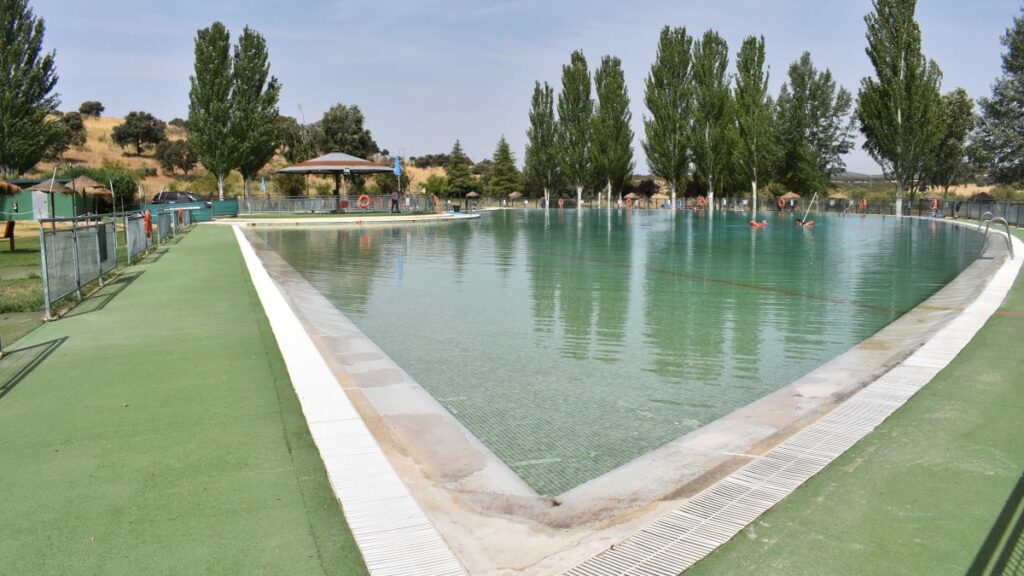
[398,167]
[263,185]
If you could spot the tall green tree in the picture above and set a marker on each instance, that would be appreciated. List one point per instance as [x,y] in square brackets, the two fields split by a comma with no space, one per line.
[73,133]
[668,96]
[611,147]
[754,119]
[899,111]
[1000,135]
[949,165]
[460,181]
[209,115]
[711,110]
[505,177]
[139,129]
[342,129]
[575,111]
[814,125]
[27,80]
[254,109]
[542,141]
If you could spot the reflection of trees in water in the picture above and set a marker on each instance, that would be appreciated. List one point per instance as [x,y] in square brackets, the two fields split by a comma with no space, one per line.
[579,276]
[343,264]
[502,226]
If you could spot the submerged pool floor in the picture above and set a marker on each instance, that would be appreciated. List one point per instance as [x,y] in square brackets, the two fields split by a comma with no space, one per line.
[571,345]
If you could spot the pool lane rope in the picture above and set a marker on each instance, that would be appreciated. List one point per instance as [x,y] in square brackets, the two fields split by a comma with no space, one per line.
[394,535]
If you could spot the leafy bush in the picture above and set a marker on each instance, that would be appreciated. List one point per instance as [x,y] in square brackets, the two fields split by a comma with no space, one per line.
[91,108]
[139,129]
[289,184]
[206,185]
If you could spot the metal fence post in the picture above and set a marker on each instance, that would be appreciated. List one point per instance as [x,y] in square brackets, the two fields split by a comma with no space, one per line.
[117,262]
[46,281]
[74,256]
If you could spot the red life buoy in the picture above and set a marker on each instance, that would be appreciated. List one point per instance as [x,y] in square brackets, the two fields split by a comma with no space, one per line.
[561,202]
[782,203]
[147,219]
[629,201]
[364,201]
[701,201]
[864,204]
[181,216]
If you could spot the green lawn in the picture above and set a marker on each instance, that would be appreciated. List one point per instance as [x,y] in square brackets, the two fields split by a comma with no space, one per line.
[161,434]
[935,489]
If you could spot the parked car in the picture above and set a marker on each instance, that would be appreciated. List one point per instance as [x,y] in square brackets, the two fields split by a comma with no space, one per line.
[177,197]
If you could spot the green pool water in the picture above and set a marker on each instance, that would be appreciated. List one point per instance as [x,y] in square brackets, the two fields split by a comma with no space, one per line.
[572,343]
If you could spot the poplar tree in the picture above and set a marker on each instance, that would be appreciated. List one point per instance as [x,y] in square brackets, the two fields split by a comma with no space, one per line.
[949,164]
[899,110]
[611,148]
[753,107]
[711,110]
[210,116]
[814,127]
[575,111]
[505,178]
[254,106]
[668,96]
[27,80]
[542,140]
[1000,132]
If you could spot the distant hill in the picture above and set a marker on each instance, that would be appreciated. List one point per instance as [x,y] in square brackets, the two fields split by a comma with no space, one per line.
[858,177]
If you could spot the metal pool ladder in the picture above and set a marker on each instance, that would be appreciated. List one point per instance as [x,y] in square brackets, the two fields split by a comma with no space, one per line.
[988,218]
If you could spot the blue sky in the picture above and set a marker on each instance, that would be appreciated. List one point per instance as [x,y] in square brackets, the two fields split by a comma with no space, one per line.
[426,73]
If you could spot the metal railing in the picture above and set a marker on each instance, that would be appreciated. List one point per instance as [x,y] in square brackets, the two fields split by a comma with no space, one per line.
[332,204]
[988,223]
[76,252]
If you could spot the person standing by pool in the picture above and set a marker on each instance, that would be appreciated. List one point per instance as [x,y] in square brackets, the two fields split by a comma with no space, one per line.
[394,202]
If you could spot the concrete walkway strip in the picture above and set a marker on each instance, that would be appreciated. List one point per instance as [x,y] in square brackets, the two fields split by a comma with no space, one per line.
[393,533]
[683,537]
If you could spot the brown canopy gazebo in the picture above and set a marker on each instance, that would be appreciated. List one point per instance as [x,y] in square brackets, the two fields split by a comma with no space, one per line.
[338,164]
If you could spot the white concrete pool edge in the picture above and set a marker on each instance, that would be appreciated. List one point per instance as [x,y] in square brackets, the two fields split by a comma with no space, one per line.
[394,535]
[715,515]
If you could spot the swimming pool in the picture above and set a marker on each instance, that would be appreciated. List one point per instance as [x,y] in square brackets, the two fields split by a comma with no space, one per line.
[571,344]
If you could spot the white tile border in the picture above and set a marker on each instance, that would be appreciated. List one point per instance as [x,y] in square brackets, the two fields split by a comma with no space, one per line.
[393,533]
[711,518]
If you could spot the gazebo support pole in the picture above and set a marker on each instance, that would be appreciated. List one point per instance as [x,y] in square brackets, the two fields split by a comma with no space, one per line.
[337,192]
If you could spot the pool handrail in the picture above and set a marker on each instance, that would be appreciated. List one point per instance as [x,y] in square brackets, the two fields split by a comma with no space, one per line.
[988,223]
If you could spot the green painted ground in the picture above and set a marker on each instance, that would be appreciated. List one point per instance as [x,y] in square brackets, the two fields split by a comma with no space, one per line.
[162,434]
[936,489]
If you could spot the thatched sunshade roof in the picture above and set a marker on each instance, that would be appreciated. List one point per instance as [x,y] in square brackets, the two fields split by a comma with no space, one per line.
[632,196]
[51,186]
[515,195]
[790,196]
[87,185]
[8,188]
[473,195]
[839,196]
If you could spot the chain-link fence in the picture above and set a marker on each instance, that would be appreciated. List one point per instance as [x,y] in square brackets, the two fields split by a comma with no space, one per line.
[136,239]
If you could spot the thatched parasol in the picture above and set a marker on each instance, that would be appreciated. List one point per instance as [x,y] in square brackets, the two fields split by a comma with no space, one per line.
[839,196]
[515,195]
[473,195]
[51,186]
[790,196]
[8,188]
[632,196]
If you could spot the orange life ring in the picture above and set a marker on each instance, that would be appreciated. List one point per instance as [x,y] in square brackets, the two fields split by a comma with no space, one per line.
[864,204]
[181,216]
[147,220]
[364,201]
[561,202]
[629,201]
[701,201]
[782,203]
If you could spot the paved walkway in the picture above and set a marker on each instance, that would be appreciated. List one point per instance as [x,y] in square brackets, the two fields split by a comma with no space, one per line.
[936,489]
[161,434]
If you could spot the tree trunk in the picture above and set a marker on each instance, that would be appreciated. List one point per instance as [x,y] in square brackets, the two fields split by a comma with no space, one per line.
[672,193]
[547,199]
[608,194]
[579,196]
[220,186]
